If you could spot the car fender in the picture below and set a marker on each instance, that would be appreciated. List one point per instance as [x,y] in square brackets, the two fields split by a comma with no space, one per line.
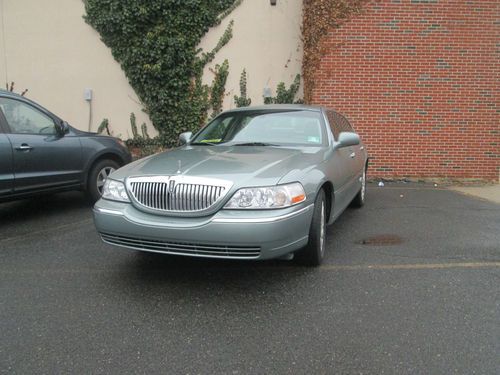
[313,180]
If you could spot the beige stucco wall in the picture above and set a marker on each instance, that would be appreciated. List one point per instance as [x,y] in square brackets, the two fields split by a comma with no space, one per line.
[46,47]
[266,43]
[52,52]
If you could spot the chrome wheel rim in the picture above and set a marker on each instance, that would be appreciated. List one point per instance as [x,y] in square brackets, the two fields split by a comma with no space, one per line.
[101,177]
[322,230]
[363,186]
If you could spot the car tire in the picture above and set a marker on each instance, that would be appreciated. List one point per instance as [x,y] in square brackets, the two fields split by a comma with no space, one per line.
[97,176]
[359,199]
[313,253]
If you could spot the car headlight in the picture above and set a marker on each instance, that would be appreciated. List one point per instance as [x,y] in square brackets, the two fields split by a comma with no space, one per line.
[115,191]
[278,196]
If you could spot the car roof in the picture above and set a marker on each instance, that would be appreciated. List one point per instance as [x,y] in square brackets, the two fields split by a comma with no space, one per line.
[275,107]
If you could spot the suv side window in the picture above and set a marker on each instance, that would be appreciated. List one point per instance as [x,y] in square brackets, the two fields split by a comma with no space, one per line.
[22,118]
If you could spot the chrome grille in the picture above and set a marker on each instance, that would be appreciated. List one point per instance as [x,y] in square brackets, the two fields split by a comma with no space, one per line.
[176,193]
[180,248]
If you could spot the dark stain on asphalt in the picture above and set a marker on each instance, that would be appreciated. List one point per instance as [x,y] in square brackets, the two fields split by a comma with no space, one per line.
[382,240]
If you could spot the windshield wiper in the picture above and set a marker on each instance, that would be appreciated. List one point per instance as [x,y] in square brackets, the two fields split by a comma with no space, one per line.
[254,144]
[204,144]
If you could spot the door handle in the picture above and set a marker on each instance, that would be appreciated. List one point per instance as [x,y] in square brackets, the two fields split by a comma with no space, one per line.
[353,154]
[24,147]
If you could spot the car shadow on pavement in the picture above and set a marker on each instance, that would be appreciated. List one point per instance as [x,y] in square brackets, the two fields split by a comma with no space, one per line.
[43,205]
[159,270]
[149,270]
[45,212]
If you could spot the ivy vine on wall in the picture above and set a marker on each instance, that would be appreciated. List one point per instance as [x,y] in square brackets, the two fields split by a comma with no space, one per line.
[284,95]
[318,18]
[242,100]
[219,87]
[156,43]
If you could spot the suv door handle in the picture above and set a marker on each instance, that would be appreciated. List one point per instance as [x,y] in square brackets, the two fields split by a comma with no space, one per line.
[24,147]
[353,154]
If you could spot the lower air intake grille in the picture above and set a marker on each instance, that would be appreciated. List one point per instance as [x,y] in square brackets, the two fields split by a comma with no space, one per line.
[178,248]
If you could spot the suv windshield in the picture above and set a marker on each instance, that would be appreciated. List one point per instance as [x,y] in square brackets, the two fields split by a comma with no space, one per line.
[264,128]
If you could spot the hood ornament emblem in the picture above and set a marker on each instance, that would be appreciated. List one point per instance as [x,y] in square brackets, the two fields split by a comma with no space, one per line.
[179,164]
[171,186]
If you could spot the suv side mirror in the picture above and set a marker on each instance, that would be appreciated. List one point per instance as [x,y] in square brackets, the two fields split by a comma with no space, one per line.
[62,128]
[185,137]
[347,139]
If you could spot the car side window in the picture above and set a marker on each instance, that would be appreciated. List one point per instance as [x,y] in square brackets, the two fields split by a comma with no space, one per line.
[22,118]
[333,119]
[345,124]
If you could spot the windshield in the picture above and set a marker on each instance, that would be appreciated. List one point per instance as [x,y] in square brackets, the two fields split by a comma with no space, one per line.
[263,128]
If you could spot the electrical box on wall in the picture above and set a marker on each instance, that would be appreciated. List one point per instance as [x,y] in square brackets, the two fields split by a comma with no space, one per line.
[267,93]
[87,94]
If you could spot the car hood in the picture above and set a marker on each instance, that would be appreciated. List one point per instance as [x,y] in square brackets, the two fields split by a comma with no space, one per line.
[242,165]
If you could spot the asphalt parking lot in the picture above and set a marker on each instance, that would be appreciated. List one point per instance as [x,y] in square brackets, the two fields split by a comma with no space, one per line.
[410,285]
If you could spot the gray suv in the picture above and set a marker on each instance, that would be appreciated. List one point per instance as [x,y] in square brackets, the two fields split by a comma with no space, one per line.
[41,153]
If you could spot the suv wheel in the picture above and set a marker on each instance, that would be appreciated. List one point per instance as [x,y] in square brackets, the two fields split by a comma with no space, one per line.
[97,176]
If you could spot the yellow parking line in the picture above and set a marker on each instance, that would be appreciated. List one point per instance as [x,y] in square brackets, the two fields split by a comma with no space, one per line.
[409,188]
[46,230]
[326,267]
[418,266]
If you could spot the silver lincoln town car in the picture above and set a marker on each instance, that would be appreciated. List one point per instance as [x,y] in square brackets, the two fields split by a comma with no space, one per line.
[255,183]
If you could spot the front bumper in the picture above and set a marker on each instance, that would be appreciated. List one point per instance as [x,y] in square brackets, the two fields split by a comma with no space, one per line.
[229,234]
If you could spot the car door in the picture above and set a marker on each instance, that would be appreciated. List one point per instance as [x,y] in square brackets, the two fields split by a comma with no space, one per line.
[356,155]
[6,173]
[42,157]
[342,166]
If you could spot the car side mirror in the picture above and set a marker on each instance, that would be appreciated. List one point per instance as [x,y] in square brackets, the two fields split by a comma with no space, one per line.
[184,138]
[347,139]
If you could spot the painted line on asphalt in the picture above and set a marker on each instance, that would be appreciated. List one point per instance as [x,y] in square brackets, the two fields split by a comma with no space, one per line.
[417,266]
[46,230]
[488,199]
[331,267]
[408,188]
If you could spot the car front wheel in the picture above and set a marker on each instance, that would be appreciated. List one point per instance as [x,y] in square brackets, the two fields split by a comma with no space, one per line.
[97,176]
[314,252]
[359,199]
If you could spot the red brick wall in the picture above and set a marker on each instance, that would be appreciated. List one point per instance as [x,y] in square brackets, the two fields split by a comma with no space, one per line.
[420,81]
